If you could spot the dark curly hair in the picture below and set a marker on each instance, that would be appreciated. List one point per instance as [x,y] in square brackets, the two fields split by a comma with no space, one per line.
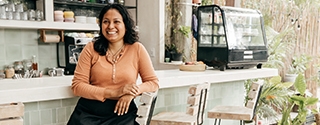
[130,36]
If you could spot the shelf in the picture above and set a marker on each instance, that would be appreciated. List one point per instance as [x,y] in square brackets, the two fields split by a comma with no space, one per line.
[212,46]
[219,35]
[48,9]
[19,24]
[214,35]
[85,4]
[205,35]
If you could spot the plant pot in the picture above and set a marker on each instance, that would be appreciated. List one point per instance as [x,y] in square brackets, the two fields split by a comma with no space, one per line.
[167,56]
[290,78]
[176,56]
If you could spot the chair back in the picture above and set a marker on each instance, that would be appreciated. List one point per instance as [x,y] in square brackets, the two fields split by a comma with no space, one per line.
[254,96]
[197,101]
[145,109]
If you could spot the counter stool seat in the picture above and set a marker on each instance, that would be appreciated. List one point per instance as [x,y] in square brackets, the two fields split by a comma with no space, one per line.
[231,112]
[174,118]
[195,110]
[241,113]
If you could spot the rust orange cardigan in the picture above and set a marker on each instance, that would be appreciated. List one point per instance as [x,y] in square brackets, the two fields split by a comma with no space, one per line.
[94,73]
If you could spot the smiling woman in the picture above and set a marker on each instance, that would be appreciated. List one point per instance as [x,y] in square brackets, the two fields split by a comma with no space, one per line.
[107,70]
[113,27]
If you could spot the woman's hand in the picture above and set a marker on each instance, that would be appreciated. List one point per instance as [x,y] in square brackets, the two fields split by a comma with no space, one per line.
[131,89]
[123,104]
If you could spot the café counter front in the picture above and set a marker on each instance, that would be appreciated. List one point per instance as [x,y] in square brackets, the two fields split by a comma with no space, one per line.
[49,100]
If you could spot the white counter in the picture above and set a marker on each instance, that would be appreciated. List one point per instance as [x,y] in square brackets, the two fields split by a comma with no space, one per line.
[50,88]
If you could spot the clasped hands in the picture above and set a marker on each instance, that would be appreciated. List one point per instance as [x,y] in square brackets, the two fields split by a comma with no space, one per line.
[127,92]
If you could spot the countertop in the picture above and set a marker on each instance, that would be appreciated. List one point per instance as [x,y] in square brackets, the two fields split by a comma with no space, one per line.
[50,88]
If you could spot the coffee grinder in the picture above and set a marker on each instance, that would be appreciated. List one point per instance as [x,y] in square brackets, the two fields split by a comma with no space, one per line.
[72,49]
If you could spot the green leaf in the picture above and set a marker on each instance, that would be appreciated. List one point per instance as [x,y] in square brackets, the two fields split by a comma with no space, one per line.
[311,101]
[275,80]
[286,84]
[314,111]
[285,119]
[298,100]
[300,84]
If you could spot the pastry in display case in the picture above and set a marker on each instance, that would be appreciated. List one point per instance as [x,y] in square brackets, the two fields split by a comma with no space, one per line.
[230,37]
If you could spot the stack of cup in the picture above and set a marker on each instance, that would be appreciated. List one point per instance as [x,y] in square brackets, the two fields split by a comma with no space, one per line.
[92,20]
[80,19]
[68,16]
[58,16]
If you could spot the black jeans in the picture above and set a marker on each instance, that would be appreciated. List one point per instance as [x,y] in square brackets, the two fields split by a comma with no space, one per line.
[93,112]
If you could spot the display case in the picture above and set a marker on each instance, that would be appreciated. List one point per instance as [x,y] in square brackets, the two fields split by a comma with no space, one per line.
[230,37]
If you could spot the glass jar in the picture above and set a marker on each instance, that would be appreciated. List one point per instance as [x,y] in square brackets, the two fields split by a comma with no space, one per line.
[18,67]
[121,2]
[27,64]
[9,71]
[2,75]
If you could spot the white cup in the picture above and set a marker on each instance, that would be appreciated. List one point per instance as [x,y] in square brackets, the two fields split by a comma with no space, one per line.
[9,15]
[16,15]
[80,19]
[111,1]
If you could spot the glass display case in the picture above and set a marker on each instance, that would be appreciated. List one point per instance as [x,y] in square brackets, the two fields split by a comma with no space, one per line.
[230,37]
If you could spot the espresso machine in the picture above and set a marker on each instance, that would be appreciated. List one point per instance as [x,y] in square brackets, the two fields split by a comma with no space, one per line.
[72,49]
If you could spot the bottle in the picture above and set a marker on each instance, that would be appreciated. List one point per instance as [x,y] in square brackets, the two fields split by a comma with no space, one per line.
[34,63]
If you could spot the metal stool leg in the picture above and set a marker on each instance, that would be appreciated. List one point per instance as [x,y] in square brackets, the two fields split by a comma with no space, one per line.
[215,121]
[219,121]
[241,122]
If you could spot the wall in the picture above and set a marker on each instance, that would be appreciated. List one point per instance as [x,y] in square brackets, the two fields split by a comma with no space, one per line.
[20,44]
[151,22]
[53,112]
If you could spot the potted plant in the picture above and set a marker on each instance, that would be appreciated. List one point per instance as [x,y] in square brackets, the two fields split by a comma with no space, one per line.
[273,96]
[172,52]
[302,100]
[298,65]
[177,33]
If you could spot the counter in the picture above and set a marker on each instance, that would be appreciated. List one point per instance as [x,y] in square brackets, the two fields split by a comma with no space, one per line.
[51,88]
[50,101]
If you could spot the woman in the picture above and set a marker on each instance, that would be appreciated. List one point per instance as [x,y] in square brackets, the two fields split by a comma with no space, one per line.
[107,71]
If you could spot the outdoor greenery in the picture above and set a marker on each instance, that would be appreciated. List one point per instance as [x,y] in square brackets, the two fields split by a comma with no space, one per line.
[206,2]
[300,99]
[299,64]
[273,97]
[176,33]
[292,44]
[277,99]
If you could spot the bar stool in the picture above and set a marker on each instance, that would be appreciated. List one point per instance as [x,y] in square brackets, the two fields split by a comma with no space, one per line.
[195,110]
[241,113]
[11,113]
[145,109]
